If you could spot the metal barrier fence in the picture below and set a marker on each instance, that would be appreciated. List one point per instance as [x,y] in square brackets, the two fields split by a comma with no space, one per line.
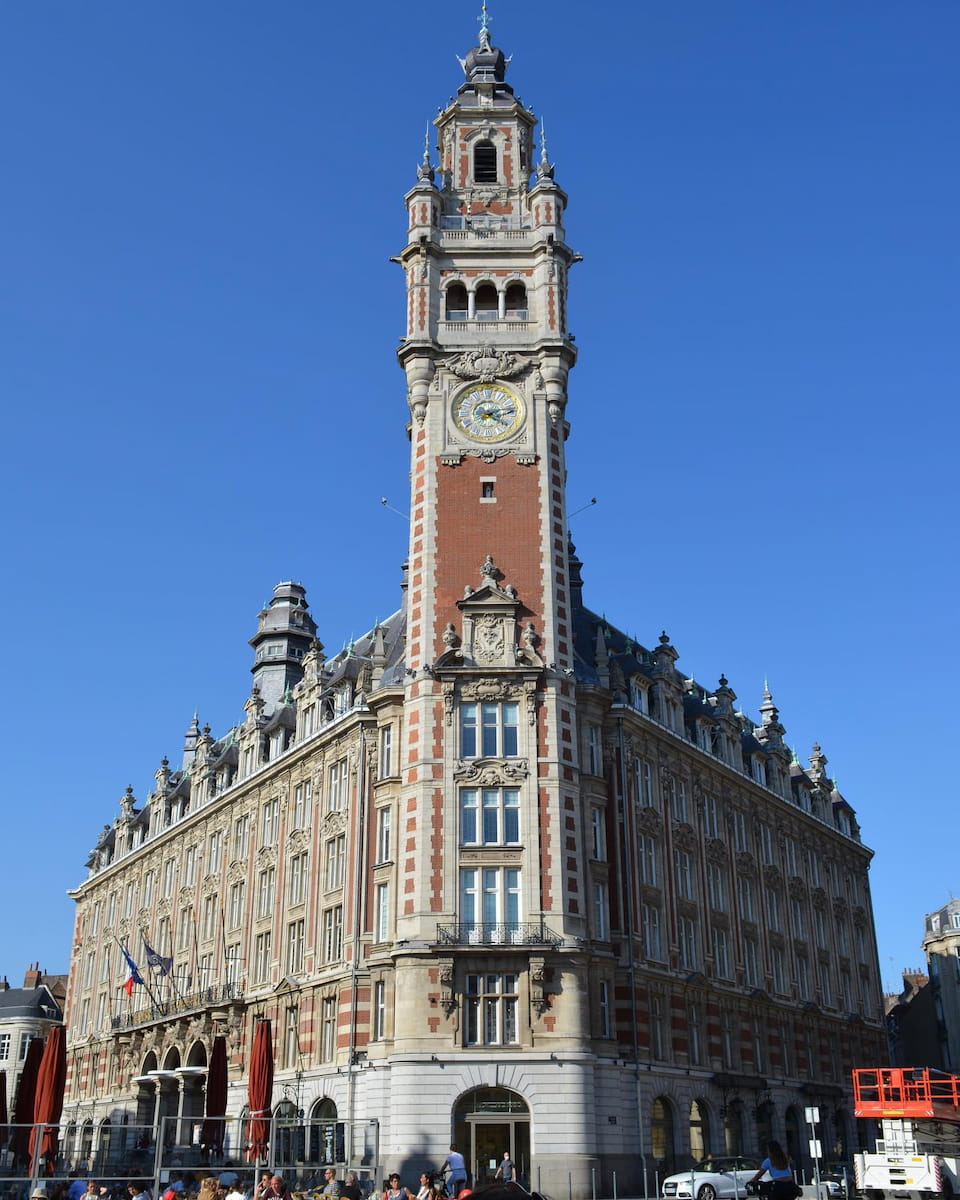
[112,1153]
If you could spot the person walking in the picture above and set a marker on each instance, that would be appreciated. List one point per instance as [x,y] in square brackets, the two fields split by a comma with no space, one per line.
[778,1166]
[505,1171]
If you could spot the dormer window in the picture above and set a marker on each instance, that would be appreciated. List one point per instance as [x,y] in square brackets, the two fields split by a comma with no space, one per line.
[485,163]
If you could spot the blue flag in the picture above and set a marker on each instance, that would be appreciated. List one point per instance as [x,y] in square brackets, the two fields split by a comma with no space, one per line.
[157,960]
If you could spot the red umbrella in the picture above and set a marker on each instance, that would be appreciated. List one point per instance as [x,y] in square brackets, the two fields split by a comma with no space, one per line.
[260,1091]
[23,1105]
[215,1104]
[48,1105]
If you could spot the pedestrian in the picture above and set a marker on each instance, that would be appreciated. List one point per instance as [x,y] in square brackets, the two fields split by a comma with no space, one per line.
[778,1166]
[505,1170]
[350,1188]
[137,1190]
[426,1186]
[395,1189]
[332,1185]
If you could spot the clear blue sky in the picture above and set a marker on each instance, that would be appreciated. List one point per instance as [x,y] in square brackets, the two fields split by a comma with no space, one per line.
[198,328]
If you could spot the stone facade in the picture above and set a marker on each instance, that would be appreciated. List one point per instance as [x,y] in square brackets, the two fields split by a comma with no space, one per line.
[25,1013]
[941,945]
[496,871]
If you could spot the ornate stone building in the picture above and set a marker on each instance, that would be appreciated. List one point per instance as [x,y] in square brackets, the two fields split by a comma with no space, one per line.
[497,872]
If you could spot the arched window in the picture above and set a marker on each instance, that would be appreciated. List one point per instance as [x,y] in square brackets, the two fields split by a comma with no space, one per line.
[484,163]
[661,1134]
[516,302]
[456,302]
[486,303]
[699,1130]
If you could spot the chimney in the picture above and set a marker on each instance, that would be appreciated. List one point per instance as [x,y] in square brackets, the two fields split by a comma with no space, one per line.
[33,976]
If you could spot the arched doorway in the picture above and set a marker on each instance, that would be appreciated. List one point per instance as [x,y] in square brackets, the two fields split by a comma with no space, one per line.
[699,1130]
[792,1127]
[841,1138]
[85,1153]
[169,1098]
[325,1134]
[486,1122]
[662,1136]
[765,1114]
[733,1127]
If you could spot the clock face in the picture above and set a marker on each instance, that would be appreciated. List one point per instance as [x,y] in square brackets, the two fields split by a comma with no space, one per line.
[488,412]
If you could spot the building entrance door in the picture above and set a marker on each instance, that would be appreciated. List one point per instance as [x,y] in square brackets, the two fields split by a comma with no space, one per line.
[487,1122]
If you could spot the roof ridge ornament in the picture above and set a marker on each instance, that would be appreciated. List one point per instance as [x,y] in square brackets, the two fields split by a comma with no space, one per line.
[484,20]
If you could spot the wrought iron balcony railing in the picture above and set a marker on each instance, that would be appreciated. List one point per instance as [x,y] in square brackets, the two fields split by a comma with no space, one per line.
[512,933]
[208,997]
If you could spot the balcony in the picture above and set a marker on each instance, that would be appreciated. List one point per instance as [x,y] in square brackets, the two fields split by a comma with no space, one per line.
[512,933]
[211,997]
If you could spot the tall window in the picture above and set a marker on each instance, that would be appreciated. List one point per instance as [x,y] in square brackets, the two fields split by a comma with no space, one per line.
[790,855]
[301,804]
[298,878]
[381,912]
[796,918]
[241,838]
[677,791]
[759,1058]
[694,1035]
[687,933]
[598,836]
[646,796]
[601,912]
[721,959]
[336,857]
[751,962]
[489,730]
[190,866]
[291,1038]
[656,1027]
[485,163]
[711,819]
[777,970]
[745,897]
[337,786]
[169,873]
[819,927]
[386,752]
[266,890]
[295,943]
[490,901]
[716,892]
[379,1010]
[328,1028]
[803,977]
[261,958]
[603,1009]
[184,928]
[232,964]
[683,874]
[333,933]
[491,1003]
[650,916]
[236,904]
[149,881]
[210,911]
[384,821]
[4,1047]
[205,970]
[594,759]
[739,821]
[490,816]
[766,844]
[647,851]
[214,852]
[773,909]
[269,822]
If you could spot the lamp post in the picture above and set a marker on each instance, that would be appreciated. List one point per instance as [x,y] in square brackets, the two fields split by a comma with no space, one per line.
[811,1115]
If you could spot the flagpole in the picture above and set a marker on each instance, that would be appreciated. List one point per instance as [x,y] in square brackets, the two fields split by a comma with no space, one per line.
[135,973]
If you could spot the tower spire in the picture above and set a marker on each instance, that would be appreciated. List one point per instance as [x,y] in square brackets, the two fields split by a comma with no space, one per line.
[484,20]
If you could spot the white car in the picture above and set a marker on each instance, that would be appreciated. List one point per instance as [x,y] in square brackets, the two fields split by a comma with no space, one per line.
[712,1178]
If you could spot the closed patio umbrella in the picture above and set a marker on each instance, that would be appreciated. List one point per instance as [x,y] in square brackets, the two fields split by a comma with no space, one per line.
[260,1091]
[23,1105]
[215,1102]
[48,1104]
[3,1107]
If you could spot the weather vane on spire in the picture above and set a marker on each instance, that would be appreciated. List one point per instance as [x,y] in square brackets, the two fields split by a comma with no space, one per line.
[484,20]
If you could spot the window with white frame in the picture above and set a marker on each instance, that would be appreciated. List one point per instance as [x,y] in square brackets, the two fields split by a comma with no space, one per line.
[384,823]
[335,862]
[385,764]
[489,816]
[4,1047]
[489,730]
[379,1010]
[773,909]
[241,838]
[603,1009]
[638,696]
[333,934]
[650,919]
[791,858]
[647,854]
[295,945]
[819,927]
[594,756]
[214,852]
[797,923]
[721,957]
[677,793]
[490,899]
[169,873]
[823,983]
[301,804]
[646,795]
[598,834]
[232,964]
[739,822]
[235,910]
[759,765]
[381,912]
[601,912]
[803,977]
[190,866]
[766,844]
[337,786]
[105,964]
[716,889]
[184,928]
[269,822]
[291,1038]
[711,817]
[491,1003]
[745,898]
[112,910]
[687,935]
[694,1035]
[210,910]
[261,958]
[683,874]
[149,882]
[266,892]
[205,970]
[751,962]
[298,877]
[328,1028]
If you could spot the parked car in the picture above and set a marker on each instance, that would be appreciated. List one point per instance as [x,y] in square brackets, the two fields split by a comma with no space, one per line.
[836,1179]
[712,1178]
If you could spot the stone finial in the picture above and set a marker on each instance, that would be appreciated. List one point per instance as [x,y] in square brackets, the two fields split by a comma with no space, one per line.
[451,639]
[425,172]
[818,760]
[489,572]
[127,801]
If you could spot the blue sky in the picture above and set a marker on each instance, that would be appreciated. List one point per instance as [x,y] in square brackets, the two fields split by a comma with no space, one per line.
[198,319]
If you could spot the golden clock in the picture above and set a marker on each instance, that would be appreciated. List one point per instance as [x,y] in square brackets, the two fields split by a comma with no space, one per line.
[488,412]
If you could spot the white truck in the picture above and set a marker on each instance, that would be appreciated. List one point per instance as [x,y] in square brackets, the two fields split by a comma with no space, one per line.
[917,1155]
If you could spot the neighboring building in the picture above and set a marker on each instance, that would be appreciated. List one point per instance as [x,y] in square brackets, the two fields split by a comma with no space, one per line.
[25,1013]
[498,873]
[941,945]
[912,1023]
